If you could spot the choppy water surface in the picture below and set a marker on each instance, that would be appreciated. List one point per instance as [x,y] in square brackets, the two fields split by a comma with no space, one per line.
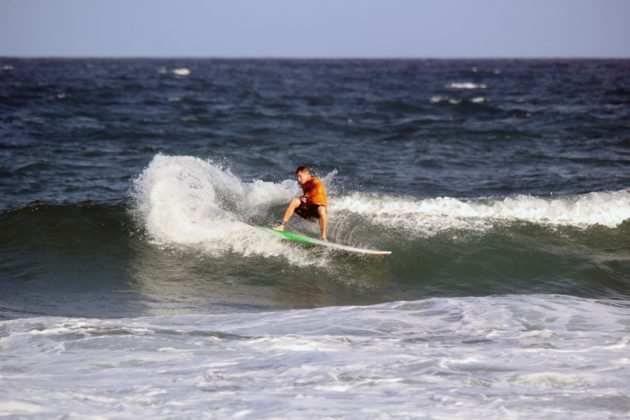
[132,280]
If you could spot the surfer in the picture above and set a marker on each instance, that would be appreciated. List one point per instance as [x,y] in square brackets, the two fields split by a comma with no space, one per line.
[311,205]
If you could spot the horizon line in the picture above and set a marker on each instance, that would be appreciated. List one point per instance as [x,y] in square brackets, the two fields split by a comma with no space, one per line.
[310,58]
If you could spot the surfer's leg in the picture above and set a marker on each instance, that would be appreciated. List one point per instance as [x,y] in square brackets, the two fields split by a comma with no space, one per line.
[294,204]
[323,221]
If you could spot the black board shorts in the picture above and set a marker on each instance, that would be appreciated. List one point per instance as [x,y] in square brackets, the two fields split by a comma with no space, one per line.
[307,211]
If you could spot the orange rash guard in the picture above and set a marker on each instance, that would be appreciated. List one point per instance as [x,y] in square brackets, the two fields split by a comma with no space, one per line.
[315,192]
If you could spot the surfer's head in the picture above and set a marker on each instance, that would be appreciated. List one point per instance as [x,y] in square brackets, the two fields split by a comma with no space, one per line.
[303,174]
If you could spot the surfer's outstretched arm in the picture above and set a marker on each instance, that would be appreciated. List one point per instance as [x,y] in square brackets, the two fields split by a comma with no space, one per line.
[323,221]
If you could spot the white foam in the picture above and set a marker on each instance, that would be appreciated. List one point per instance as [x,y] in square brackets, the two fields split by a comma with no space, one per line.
[181,71]
[560,380]
[456,101]
[466,85]
[16,407]
[184,200]
[443,99]
[433,215]
[441,357]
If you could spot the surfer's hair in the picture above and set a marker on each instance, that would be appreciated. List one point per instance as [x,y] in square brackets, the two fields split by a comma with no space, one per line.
[302,168]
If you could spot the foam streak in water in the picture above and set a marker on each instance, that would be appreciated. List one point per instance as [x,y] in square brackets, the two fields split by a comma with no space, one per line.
[466,85]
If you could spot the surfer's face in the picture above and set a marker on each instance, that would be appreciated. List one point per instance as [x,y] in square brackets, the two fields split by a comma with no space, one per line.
[303,176]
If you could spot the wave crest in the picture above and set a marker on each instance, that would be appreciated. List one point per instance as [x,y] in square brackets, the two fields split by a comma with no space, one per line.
[432,215]
[189,201]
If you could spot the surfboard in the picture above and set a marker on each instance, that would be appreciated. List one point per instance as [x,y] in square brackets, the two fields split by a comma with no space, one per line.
[312,241]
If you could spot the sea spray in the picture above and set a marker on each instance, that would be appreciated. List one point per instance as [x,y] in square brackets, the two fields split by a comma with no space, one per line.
[184,200]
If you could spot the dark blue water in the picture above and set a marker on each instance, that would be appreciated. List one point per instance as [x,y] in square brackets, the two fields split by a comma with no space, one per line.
[482,176]
[133,281]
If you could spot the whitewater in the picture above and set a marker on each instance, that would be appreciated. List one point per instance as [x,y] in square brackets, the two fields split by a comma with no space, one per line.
[493,357]
[184,200]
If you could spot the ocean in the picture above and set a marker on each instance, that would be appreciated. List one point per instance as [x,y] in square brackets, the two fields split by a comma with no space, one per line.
[134,281]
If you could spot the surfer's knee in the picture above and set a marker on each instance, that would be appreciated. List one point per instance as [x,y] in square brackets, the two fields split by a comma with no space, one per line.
[295,202]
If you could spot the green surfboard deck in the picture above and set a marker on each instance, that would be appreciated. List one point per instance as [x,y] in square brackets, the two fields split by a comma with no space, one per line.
[312,241]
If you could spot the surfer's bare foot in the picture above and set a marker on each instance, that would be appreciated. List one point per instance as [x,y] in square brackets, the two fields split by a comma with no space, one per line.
[279,227]
[324,239]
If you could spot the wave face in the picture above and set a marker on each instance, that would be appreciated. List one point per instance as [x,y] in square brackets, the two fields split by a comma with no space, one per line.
[187,240]
[186,200]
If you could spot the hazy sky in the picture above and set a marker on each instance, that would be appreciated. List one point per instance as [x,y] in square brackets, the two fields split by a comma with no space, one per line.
[322,28]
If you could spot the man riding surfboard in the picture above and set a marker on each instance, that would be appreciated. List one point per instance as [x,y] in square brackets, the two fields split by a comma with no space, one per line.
[311,205]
